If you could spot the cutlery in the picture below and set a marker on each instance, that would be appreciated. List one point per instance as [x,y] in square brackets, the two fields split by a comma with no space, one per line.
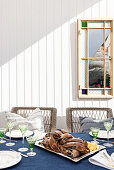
[104,140]
[9,140]
[39,140]
[20,153]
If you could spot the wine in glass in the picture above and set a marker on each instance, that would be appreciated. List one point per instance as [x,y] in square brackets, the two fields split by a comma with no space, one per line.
[2,132]
[31,141]
[10,125]
[23,128]
[108,126]
[95,131]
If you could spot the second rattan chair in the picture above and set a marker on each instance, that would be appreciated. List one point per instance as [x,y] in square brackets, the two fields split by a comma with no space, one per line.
[73,114]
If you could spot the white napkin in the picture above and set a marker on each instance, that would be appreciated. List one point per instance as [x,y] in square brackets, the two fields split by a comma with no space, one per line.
[102,159]
[40,135]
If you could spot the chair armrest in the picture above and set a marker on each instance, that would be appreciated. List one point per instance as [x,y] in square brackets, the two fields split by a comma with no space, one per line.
[53,119]
[69,119]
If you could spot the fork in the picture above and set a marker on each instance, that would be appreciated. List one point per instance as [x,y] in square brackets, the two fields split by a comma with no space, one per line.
[20,153]
[9,139]
[104,140]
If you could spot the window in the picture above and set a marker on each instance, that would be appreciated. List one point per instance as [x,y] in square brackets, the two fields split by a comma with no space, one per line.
[95,54]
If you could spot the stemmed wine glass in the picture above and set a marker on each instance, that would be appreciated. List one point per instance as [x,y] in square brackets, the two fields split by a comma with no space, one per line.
[95,131]
[108,125]
[23,128]
[2,132]
[10,125]
[31,141]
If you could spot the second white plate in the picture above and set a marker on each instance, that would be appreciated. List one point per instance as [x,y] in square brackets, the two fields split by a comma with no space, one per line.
[103,134]
[17,133]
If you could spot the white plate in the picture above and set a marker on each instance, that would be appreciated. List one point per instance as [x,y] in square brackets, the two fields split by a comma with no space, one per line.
[75,159]
[9,158]
[17,133]
[103,134]
[112,156]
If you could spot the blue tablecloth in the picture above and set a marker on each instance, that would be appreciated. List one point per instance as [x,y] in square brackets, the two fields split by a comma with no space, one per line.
[45,160]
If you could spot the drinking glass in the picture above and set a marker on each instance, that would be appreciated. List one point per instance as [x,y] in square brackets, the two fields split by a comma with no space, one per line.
[23,128]
[95,131]
[10,125]
[108,126]
[31,141]
[2,132]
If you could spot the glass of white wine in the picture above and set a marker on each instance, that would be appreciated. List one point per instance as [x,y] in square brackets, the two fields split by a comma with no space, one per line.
[10,125]
[108,126]
[23,128]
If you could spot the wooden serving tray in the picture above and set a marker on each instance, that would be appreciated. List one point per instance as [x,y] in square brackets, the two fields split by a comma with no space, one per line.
[75,159]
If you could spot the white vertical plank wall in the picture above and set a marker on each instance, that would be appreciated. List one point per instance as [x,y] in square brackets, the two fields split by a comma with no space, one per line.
[38,52]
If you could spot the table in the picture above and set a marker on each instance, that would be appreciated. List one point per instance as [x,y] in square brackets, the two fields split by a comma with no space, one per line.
[45,160]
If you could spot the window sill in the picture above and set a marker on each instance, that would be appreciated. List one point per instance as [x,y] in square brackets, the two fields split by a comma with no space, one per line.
[96,96]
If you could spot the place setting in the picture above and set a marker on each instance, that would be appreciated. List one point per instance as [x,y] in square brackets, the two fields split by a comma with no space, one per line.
[8,157]
[103,135]
[10,137]
[102,158]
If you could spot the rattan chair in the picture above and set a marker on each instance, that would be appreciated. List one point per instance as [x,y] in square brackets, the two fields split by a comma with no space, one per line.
[49,115]
[72,116]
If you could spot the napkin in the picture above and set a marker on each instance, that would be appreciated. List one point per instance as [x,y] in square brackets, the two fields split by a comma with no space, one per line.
[40,135]
[102,159]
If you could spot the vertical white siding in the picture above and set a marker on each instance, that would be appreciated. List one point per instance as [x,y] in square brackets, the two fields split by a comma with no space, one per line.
[1,56]
[12,51]
[5,56]
[20,41]
[35,54]
[28,53]
[50,54]
[38,52]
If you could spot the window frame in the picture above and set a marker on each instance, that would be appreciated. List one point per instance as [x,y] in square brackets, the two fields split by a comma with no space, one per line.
[79,28]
